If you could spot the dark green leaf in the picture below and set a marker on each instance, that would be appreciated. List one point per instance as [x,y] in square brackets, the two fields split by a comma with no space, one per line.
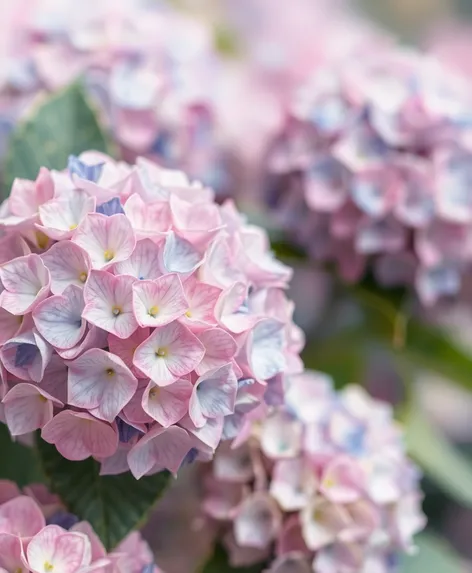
[18,463]
[440,461]
[114,505]
[62,125]
[218,563]
[434,556]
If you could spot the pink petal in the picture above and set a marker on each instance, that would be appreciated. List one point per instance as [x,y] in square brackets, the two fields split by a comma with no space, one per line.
[196,222]
[233,465]
[209,435]
[230,309]
[291,484]
[9,325]
[11,247]
[94,338]
[109,303]
[160,301]
[258,521]
[60,217]
[134,410]
[169,404]
[100,380]
[147,218]
[159,449]
[68,264]
[26,196]
[26,281]
[107,240]
[213,395]
[8,490]
[171,352]
[201,300]
[264,349]
[78,435]
[220,348]
[28,408]
[97,549]
[59,318]
[144,263]
[65,551]
[180,256]
[32,369]
[10,553]
[125,348]
[22,517]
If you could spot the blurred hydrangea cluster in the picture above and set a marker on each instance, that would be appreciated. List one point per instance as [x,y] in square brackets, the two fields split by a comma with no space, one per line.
[139,320]
[37,533]
[151,69]
[322,482]
[372,171]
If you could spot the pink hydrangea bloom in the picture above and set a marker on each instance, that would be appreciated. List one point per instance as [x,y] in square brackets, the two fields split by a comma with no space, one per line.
[320,484]
[372,170]
[39,536]
[142,343]
[150,68]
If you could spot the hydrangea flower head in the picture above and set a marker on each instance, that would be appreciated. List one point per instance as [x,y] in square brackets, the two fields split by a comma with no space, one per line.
[372,171]
[150,68]
[38,535]
[321,484]
[134,313]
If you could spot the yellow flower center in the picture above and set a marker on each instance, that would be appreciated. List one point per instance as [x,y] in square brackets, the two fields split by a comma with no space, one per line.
[110,372]
[42,240]
[161,352]
[48,566]
[72,227]
[83,277]
[116,310]
[108,256]
[154,393]
[188,314]
[329,482]
[153,311]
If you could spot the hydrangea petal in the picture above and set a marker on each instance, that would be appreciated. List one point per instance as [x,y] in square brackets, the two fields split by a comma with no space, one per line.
[159,449]
[102,381]
[107,240]
[169,404]
[171,352]
[158,302]
[28,408]
[108,303]
[78,436]
[68,264]
[26,282]
[59,318]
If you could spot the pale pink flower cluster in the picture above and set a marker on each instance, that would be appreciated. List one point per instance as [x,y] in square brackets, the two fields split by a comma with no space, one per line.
[151,69]
[139,320]
[320,484]
[372,171]
[37,535]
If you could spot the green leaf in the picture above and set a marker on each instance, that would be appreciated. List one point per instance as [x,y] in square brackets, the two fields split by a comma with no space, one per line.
[439,459]
[114,505]
[428,348]
[63,124]
[434,556]
[18,463]
[218,563]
